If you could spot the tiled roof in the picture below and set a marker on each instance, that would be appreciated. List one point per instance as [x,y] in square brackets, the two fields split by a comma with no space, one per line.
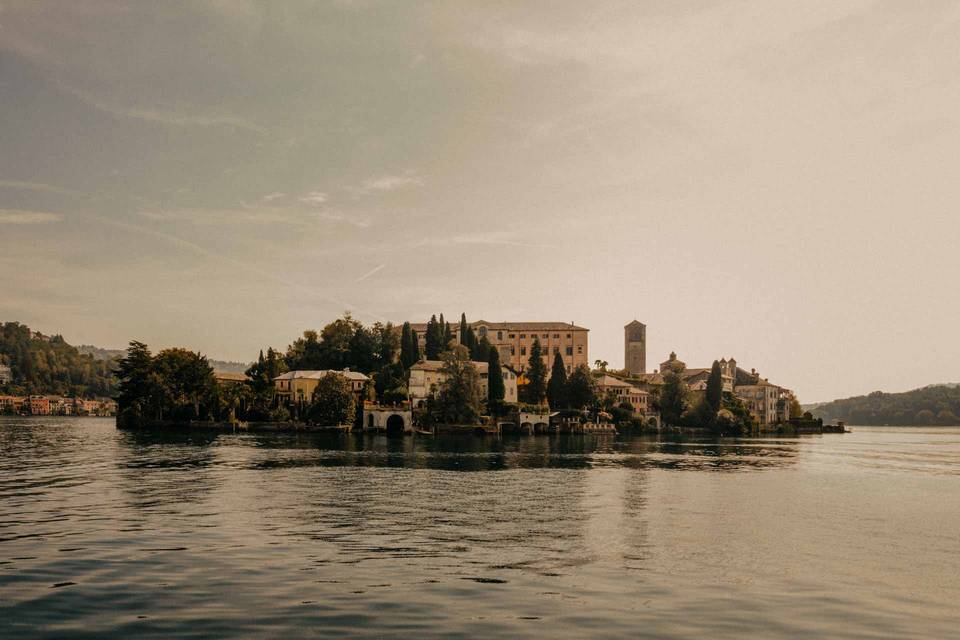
[316,375]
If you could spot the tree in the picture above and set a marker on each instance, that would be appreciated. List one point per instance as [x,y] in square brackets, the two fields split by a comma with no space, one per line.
[536,375]
[557,386]
[333,402]
[415,346]
[581,388]
[714,393]
[601,364]
[407,346]
[673,398]
[189,379]
[495,386]
[463,330]
[136,384]
[363,350]
[480,348]
[458,400]
[434,339]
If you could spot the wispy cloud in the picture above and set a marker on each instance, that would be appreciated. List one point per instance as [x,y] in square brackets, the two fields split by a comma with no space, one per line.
[371,272]
[314,197]
[391,183]
[155,114]
[337,216]
[12,216]
[38,187]
[488,238]
[270,197]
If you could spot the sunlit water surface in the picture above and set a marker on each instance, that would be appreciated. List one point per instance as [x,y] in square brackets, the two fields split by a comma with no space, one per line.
[106,533]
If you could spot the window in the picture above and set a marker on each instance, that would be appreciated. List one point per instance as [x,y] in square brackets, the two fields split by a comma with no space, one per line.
[556,349]
[556,336]
[569,351]
[483,332]
[568,335]
[579,348]
[546,335]
[523,336]
[500,335]
[523,351]
[513,351]
[512,336]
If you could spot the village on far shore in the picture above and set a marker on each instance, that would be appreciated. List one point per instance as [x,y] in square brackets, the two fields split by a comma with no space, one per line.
[437,377]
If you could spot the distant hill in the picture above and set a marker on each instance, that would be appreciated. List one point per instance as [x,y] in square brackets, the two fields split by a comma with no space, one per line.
[43,364]
[113,354]
[936,404]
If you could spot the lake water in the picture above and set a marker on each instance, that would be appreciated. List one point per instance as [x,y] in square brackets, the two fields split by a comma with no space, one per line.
[114,534]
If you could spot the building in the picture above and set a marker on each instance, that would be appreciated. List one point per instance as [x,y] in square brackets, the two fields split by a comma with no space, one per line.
[38,405]
[298,386]
[515,339]
[6,374]
[60,406]
[766,401]
[426,376]
[11,404]
[225,378]
[624,392]
[635,348]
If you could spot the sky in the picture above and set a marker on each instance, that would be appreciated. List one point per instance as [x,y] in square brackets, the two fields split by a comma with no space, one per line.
[774,181]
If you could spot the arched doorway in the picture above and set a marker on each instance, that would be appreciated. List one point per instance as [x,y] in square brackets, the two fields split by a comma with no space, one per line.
[395,424]
[370,422]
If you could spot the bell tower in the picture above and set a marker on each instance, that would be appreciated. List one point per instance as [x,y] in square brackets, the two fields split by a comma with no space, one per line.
[635,347]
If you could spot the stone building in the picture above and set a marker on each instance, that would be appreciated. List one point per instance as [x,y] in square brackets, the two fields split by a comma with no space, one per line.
[515,339]
[635,348]
[624,392]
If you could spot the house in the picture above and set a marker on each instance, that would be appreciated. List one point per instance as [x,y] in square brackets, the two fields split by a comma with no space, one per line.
[11,404]
[6,374]
[427,375]
[624,392]
[38,405]
[298,386]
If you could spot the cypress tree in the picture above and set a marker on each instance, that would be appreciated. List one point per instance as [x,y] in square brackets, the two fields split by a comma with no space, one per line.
[557,386]
[714,392]
[536,374]
[463,330]
[406,352]
[495,386]
[434,338]
[414,346]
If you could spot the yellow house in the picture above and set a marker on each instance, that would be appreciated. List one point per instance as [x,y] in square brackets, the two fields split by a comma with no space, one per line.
[298,386]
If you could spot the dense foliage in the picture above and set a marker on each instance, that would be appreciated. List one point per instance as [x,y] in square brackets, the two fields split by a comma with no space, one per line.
[176,384]
[535,390]
[333,402]
[459,398]
[933,405]
[48,365]
[557,386]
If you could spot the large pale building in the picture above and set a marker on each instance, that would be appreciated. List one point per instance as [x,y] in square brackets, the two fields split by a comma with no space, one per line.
[427,375]
[514,341]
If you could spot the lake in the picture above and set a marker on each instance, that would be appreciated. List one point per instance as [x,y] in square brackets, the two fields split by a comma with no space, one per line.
[106,533]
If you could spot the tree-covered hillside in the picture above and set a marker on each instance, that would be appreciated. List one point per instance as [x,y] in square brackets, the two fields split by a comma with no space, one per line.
[932,405]
[48,365]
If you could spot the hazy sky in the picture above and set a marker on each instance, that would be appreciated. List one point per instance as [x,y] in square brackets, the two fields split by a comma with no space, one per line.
[773,180]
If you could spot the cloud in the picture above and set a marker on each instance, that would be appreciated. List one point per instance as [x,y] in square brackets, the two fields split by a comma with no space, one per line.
[391,183]
[489,238]
[38,187]
[270,197]
[12,216]
[371,272]
[158,115]
[314,197]
[336,216]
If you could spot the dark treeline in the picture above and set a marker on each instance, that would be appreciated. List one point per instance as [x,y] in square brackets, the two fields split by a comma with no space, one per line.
[933,405]
[48,365]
